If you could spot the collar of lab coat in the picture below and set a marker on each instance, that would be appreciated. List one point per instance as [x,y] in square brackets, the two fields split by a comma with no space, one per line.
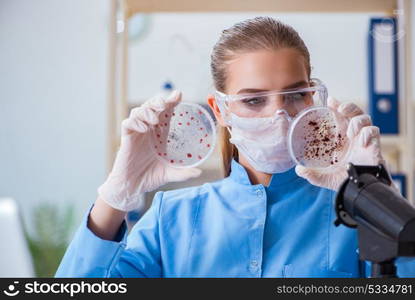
[239,174]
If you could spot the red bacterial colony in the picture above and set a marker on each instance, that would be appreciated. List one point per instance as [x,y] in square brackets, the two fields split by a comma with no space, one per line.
[173,142]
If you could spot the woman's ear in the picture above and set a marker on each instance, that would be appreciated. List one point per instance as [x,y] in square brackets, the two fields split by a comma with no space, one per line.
[215,108]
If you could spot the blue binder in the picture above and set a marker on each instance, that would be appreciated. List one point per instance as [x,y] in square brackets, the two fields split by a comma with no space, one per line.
[400,181]
[383,74]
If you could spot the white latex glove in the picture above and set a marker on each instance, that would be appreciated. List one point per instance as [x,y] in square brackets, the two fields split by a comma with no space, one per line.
[365,147]
[136,169]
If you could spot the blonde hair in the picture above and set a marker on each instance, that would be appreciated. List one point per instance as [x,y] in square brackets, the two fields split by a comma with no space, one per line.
[250,35]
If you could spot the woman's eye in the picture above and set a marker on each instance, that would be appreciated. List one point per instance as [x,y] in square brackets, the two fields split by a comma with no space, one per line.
[254,101]
[300,96]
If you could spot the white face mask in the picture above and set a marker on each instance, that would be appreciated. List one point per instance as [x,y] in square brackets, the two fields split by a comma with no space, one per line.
[263,141]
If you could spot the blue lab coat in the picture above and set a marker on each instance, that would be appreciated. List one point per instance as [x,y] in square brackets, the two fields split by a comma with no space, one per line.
[228,228]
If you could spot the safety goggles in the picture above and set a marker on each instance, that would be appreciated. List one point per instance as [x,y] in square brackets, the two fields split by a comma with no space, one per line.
[267,103]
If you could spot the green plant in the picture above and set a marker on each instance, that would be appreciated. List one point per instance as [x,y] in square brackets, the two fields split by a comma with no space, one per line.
[49,238]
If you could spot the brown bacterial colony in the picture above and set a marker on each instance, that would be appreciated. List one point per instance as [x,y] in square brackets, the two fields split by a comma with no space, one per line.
[323,143]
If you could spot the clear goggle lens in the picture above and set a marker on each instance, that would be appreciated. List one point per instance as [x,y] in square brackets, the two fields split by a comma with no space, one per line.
[266,104]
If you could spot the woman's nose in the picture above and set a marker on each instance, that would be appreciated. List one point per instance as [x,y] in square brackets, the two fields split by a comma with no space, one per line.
[282,113]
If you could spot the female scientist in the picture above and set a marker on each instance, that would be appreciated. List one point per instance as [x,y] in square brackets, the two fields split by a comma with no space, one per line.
[265,218]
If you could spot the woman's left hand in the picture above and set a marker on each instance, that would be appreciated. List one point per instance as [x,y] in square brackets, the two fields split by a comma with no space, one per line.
[365,148]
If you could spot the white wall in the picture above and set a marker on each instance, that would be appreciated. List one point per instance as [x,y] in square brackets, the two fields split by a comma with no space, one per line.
[53,64]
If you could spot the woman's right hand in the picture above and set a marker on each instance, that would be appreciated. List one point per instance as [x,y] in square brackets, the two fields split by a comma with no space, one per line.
[136,169]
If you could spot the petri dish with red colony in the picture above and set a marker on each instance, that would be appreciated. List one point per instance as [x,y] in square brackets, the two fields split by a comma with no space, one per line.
[185,136]
[317,138]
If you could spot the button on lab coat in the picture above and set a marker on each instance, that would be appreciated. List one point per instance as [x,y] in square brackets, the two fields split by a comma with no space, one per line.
[228,228]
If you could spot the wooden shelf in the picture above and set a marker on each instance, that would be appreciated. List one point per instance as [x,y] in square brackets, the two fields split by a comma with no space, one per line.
[392,142]
[297,6]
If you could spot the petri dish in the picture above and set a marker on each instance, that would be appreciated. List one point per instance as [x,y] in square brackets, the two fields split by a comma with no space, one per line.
[185,136]
[317,138]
